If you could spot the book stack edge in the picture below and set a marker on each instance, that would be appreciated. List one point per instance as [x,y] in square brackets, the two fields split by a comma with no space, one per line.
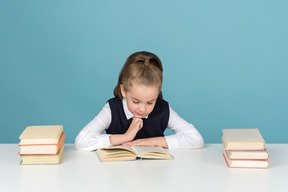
[42,145]
[244,148]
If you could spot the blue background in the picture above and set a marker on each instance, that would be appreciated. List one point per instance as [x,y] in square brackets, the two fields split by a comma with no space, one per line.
[225,62]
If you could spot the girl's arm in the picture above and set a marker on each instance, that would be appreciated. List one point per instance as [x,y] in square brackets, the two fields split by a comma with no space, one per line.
[135,126]
[91,137]
[149,142]
[186,136]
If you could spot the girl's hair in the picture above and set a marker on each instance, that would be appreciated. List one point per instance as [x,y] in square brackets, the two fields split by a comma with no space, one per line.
[144,68]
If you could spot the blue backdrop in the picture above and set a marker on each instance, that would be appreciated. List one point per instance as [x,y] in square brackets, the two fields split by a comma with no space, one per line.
[225,62]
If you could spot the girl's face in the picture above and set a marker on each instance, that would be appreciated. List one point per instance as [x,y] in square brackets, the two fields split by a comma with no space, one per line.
[141,99]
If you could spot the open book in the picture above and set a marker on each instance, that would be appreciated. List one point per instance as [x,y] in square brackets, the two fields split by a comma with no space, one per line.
[126,153]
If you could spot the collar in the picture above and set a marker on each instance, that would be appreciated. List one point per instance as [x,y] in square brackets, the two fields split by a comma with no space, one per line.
[128,113]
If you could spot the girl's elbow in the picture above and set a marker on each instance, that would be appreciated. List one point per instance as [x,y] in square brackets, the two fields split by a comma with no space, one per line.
[79,145]
[201,144]
[197,143]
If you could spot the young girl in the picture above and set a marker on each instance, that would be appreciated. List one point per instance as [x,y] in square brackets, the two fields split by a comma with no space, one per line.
[138,115]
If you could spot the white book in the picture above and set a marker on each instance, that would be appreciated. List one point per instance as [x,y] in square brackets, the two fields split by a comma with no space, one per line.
[243,139]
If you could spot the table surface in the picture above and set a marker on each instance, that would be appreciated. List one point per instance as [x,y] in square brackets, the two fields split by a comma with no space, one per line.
[191,170]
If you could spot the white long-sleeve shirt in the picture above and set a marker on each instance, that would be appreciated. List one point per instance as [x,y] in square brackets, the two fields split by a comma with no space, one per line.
[92,136]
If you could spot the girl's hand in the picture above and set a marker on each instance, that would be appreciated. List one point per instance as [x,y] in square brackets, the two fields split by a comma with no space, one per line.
[149,142]
[135,126]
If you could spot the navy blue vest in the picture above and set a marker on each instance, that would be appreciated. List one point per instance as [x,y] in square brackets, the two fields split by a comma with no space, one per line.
[153,126]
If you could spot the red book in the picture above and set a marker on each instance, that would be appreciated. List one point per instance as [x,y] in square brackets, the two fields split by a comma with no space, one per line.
[246,163]
[42,149]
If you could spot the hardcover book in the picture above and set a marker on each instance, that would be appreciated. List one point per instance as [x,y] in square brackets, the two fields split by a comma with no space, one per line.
[49,134]
[245,163]
[40,149]
[242,139]
[248,154]
[126,153]
[42,159]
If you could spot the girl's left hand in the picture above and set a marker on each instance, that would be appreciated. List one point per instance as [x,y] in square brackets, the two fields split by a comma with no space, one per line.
[149,142]
[141,142]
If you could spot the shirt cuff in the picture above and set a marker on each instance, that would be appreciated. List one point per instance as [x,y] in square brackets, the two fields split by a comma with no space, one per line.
[105,140]
[172,142]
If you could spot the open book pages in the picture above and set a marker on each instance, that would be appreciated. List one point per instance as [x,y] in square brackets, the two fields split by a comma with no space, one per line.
[123,152]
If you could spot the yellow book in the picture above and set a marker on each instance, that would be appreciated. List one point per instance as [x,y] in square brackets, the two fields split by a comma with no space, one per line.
[247,154]
[42,159]
[126,153]
[48,134]
[242,139]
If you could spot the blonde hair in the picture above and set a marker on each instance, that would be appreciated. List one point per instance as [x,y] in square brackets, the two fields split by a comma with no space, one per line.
[143,68]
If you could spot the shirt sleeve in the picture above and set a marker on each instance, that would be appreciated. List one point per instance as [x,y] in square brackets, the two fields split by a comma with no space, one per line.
[91,137]
[186,135]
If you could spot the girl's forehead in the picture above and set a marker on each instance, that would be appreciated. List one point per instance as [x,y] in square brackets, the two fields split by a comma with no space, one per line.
[136,85]
[143,92]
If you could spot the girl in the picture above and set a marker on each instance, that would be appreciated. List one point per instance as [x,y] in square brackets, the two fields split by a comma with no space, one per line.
[138,115]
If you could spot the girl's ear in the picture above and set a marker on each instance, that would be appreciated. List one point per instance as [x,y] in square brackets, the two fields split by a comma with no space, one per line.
[123,92]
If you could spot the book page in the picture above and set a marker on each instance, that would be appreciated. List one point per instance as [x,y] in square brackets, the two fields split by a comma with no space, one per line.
[119,149]
[116,153]
[140,150]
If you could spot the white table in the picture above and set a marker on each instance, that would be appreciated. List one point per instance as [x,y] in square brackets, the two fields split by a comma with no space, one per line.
[191,170]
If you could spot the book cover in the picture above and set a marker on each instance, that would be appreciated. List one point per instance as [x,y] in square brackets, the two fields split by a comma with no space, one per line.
[126,153]
[42,159]
[42,149]
[48,134]
[242,139]
[245,163]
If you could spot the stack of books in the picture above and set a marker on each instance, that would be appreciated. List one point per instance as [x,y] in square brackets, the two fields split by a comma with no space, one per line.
[42,145]
[244,148]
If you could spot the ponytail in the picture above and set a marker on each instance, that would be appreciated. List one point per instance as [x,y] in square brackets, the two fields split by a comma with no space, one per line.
[144,67]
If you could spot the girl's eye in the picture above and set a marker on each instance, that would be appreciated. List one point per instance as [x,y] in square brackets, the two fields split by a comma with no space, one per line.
[150,103]
[136,102]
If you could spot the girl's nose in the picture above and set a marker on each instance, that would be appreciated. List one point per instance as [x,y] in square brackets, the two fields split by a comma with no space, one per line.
[142,108]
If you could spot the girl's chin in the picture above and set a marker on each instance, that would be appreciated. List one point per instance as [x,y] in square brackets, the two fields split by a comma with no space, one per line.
[139,116]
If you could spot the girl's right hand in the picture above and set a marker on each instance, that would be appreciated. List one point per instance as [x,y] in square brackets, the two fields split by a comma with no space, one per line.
[135,126]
